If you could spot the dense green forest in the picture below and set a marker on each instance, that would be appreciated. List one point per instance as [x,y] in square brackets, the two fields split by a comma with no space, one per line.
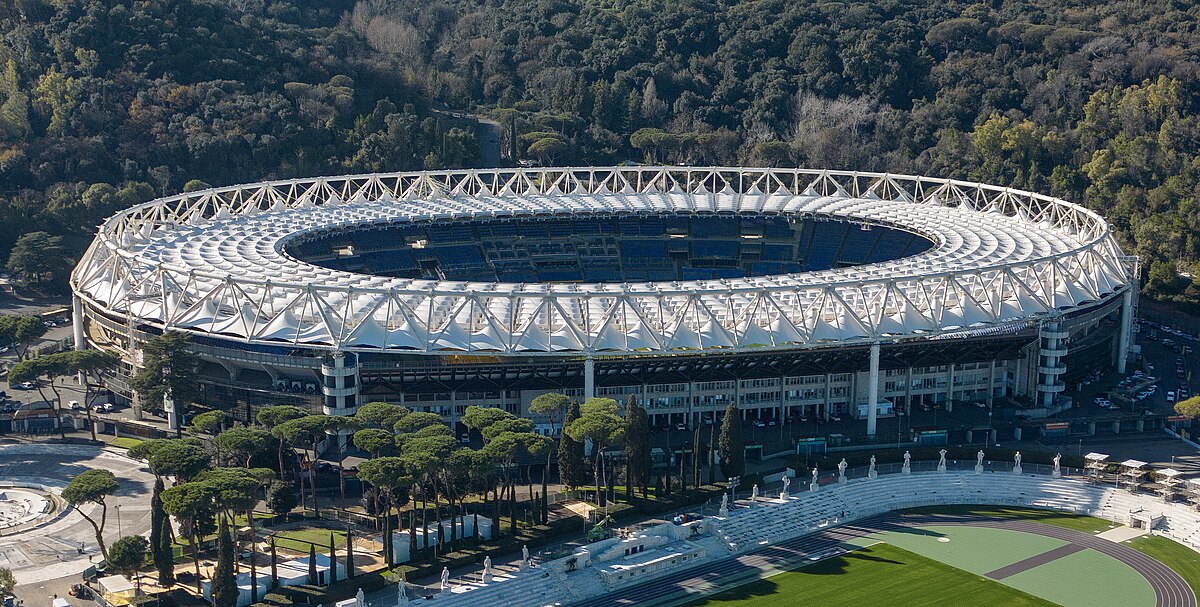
[106,102]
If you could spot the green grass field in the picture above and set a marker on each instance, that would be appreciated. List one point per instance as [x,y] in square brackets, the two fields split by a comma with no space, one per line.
[880,575]
[1182,559]
[977,550]
[1086,524]
[124,442]
[300,539]
[945,565]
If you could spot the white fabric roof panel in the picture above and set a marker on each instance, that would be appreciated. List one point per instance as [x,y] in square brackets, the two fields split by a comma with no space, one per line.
[1000,257]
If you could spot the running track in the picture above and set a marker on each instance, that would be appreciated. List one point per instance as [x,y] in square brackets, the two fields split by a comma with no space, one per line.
[1170,590]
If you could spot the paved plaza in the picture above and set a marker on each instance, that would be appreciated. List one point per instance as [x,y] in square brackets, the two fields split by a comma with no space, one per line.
[63,543]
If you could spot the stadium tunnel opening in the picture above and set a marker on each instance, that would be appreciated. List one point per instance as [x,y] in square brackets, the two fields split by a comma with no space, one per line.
[605,248]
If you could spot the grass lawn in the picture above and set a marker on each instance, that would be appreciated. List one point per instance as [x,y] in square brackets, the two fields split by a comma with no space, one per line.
[1086,524]
[1086,579]
[299,539]
[976,550]
[1182,559]
[125,442]
[881,575]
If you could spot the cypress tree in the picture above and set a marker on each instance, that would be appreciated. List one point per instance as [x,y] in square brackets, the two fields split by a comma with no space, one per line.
[224,584]
[572,467]
[274,565]
[312,564]
[389,558]
[333,576]
[712,444]
[637,446]
[349,554]
[160,538]
[731,446]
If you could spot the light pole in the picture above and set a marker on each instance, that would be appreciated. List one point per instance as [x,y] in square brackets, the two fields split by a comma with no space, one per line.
[118,508]
[733,485]
[987,442]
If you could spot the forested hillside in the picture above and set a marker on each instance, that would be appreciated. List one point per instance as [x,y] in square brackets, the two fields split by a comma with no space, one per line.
[105,103]
[1095,102]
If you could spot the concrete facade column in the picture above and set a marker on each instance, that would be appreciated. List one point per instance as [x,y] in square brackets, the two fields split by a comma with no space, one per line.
[873,390]
[950,388]
[991,393]
[825,413]
[693,414]
[1050,367]
[173,421]
[1018,389]
[77,323]
[908,390]
[589,378]
[1126,327]
[340,390]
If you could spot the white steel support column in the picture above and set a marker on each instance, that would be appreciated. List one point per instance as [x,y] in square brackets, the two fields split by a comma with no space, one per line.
[589,378]
[1126,326]
[873,390]
[77,323]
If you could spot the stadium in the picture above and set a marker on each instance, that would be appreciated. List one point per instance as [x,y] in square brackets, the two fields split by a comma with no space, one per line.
[795,292]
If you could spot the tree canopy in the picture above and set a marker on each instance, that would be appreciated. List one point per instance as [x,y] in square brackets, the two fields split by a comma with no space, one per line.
[1189,407]
[168,367]
[128,554]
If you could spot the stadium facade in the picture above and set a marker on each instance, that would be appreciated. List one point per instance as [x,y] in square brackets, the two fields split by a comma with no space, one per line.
[795,292]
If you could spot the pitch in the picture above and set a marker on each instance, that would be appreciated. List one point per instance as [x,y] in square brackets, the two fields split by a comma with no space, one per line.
[974,557]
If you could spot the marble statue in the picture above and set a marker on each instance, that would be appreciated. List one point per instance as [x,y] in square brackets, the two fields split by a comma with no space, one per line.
[445,578]
[487,569]
[1057,465]
[813,486]
[1017,463]
[525,553]
[753,495]
[359,599]
[787,482]
[724,511]
[842,465]
[979,462]
[907,467]
[941,461]
[402,594]
[871,472]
